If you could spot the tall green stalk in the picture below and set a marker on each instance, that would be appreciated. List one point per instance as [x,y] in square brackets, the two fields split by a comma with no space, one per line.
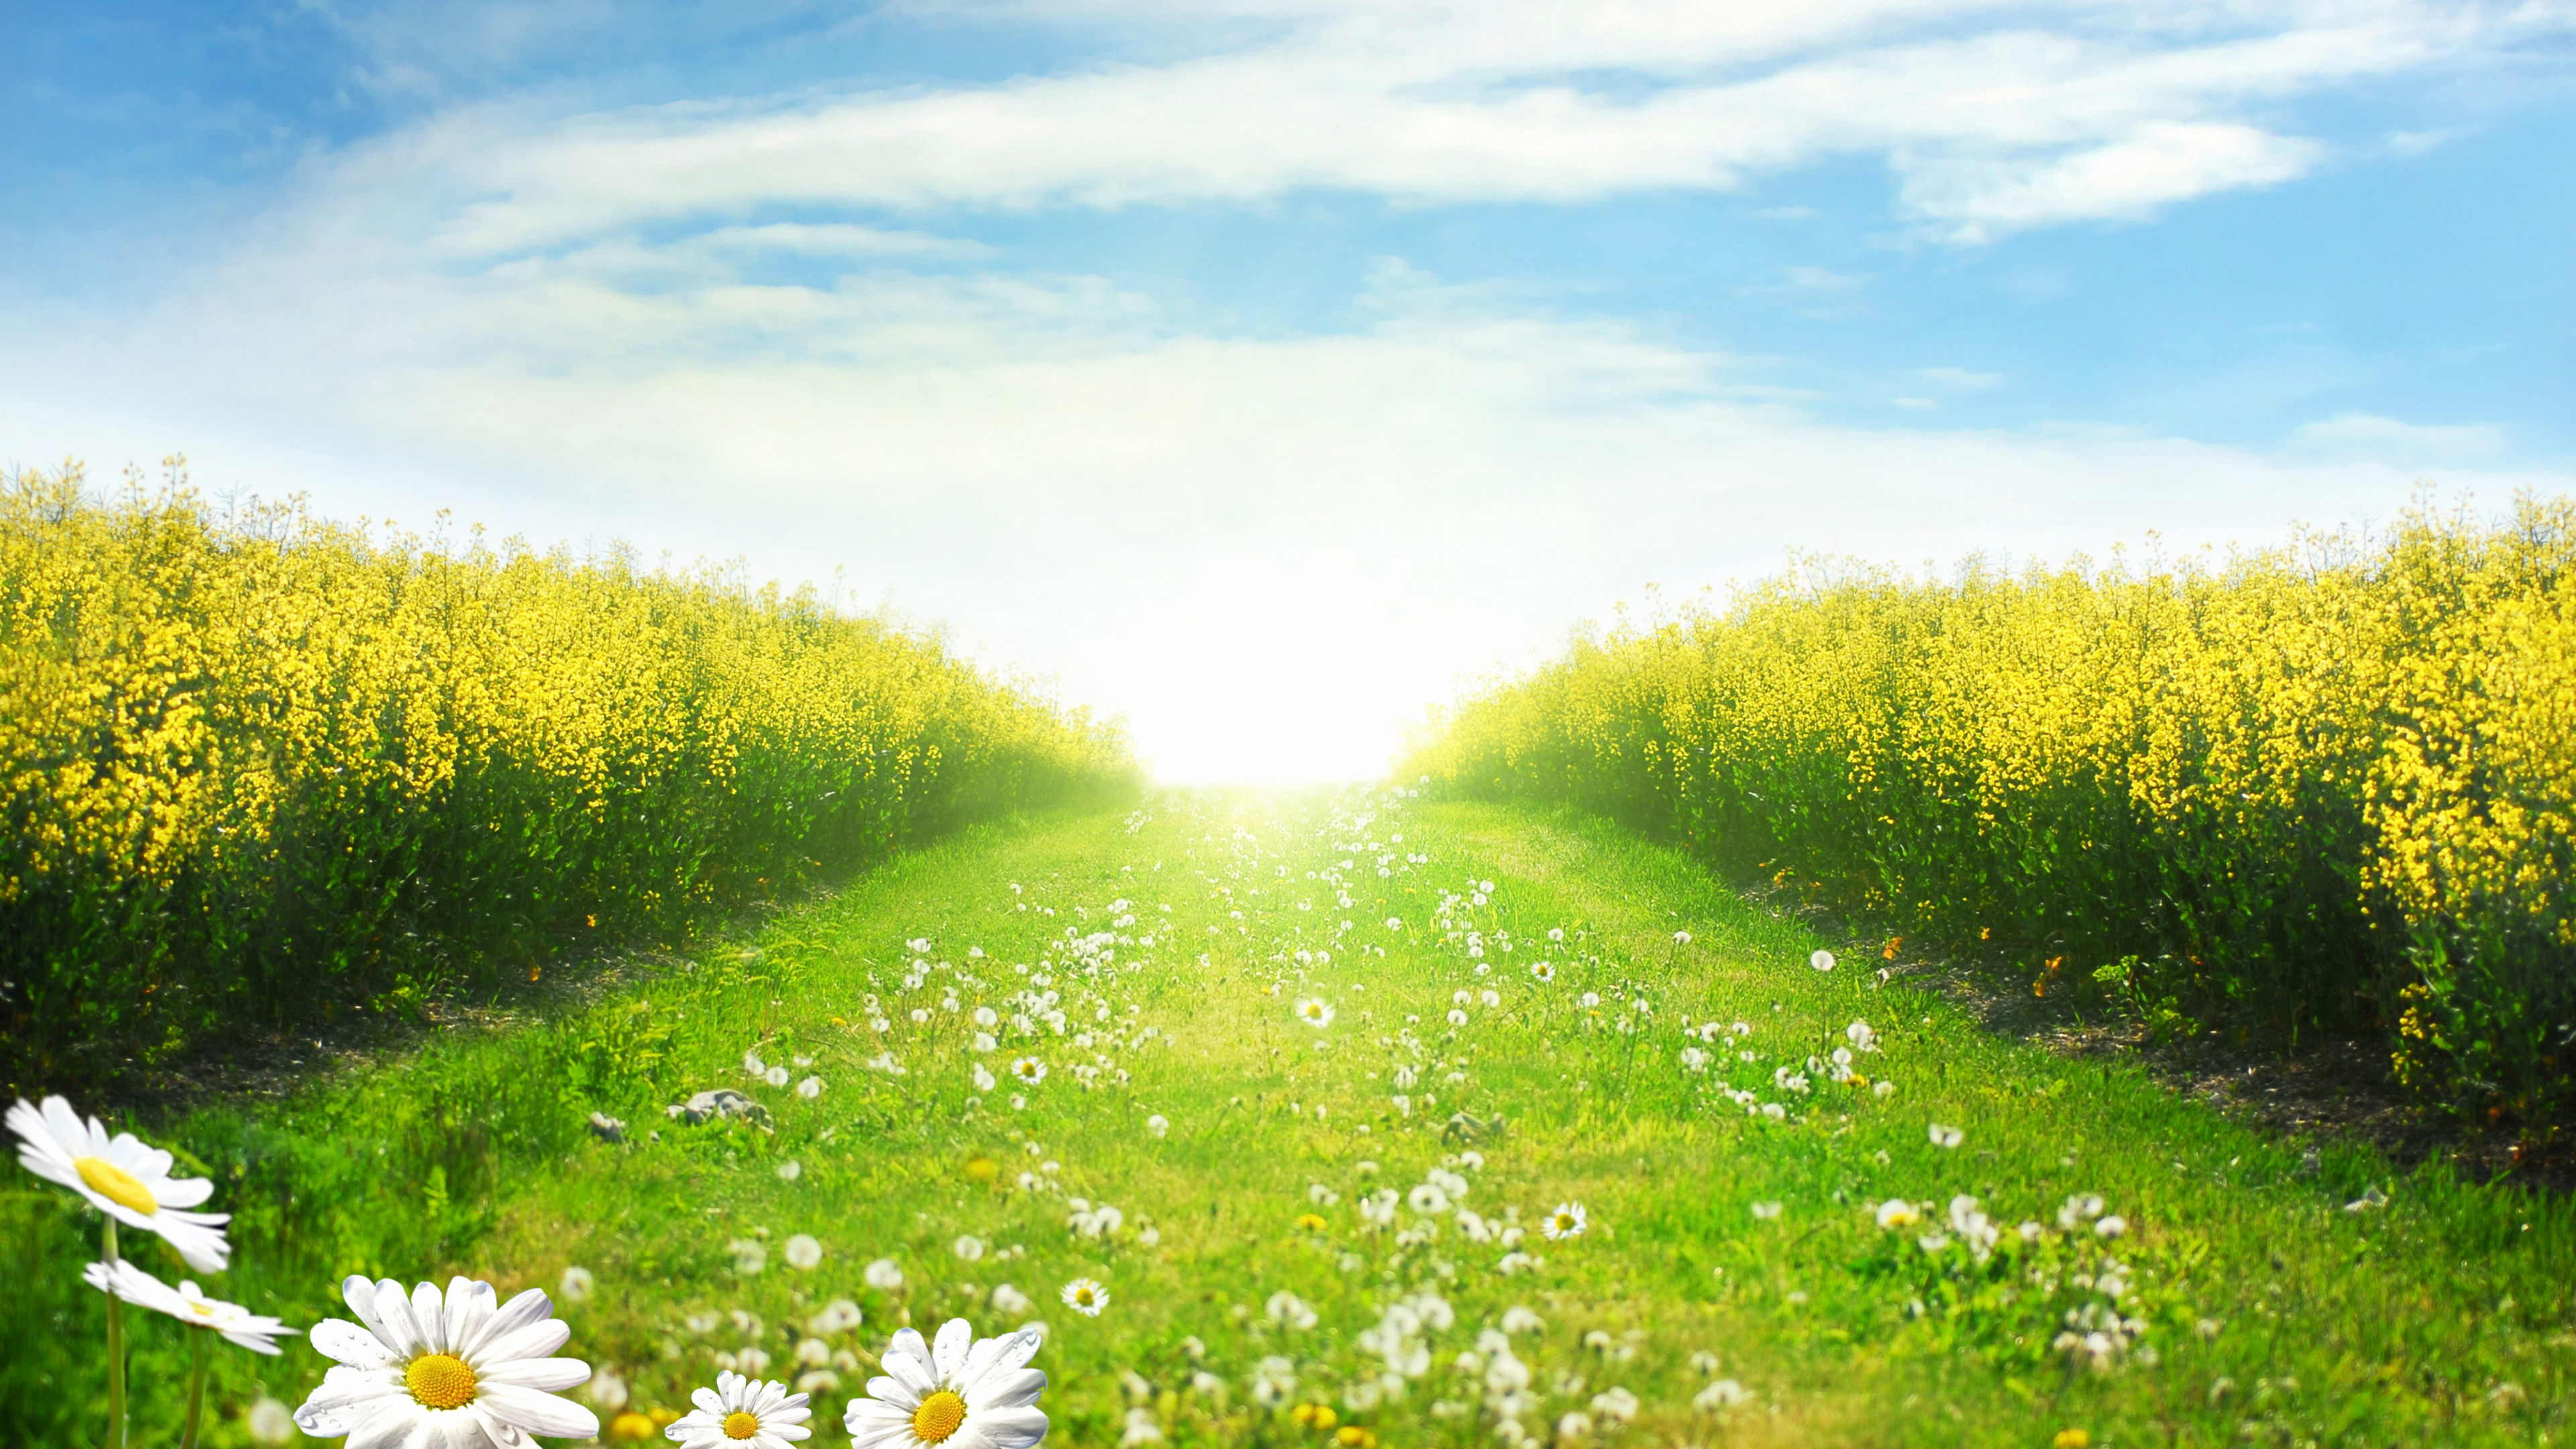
[196,1384]
[115,1349]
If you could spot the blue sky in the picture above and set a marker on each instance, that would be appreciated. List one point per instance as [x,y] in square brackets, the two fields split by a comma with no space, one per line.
[1262,368]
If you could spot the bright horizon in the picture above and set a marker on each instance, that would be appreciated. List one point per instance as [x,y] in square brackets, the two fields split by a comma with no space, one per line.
[1263,373]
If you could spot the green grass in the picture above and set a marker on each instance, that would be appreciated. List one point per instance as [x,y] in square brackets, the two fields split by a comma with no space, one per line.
[2275,1315]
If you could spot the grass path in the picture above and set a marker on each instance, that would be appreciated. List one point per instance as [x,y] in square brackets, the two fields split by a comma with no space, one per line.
[1353,1214]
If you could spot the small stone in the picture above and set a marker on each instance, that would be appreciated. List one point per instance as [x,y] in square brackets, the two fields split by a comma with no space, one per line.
[606,1128]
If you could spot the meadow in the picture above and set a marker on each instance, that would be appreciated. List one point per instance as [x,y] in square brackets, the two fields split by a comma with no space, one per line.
[2327,789]
[261,771]
[1372,1120]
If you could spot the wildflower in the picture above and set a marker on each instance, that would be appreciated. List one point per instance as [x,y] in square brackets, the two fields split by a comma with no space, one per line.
[1512,1263]
[1616,1404]
[776,1076]
[982,1078]
[577,1284]
[121,1177]
[962,1391]
[790,1170]
[1394,923]
[271,1422]
[753,1066]
[1010,1302]
[1028,1070]
[1379,1207]
[1681,938]
[1568,1221]
[1273,1379]
[1882,1088]
[1766,1212]
[2072,1439]
[838,1316]
[1723,1394]
[1944,1136]
[1822,960]
[1457,1017]
[883,1275]
[1141,1428]
[750,1255]
[742,1412]
[1315,1012]
[187,1304]
[417,1361]
[1517,1319]
[1896,1213]
[1085,1296]
[1543,970]
[1290,1311]
[2112,1226]
[1319,1417]
[810,1088]
[968,1247]
[1157,1125]
[804,1251]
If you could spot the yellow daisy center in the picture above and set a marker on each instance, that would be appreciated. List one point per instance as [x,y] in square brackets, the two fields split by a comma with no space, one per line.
[116,1184]
[741,1424]
[440,1380]
[938,1416]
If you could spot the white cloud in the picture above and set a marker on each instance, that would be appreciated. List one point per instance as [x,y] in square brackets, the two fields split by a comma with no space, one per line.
[1959,378]
[1991,121]
[2367,434]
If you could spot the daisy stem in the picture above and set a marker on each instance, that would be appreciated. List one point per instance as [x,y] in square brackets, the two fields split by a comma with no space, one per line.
[115,1352]
[196,1385]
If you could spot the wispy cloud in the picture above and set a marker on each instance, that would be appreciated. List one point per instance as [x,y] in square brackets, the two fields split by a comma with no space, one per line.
[1991,125]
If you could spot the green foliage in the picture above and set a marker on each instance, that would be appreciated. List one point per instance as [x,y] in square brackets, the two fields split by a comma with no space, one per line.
[2330,787]
[257,769]
[2267,1309]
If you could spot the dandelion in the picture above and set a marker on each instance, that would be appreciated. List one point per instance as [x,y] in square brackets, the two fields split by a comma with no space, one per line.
[1157,1125]
[1315,1012]
[1822,961]
[1395,923]
[1290,1311]
[838,1316]
[1944,1136]
[753,1066]
[1882,1088]
[1721,1395]
[1028,1070]
[1766,1212]
[1085,1296]
[741,1413]
[790,1170]
[1681,938]
[2112,1226]
[776,1076]
[417,1361]
[804,1252]
[2072,1439]
[1010,1302]
[1568,1221]
[1457,1017]
[968,1248]
[960,1391]
[576,1284]
[122,1177]
[1896,1214]
[883,1275]
[810,1088]
[270,1421]
[1615,1404]
[750,1255]
[982,1079]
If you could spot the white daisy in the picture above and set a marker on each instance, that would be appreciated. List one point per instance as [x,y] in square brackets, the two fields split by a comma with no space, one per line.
[1566,1222]
[122,1177]
[456,1373]
[1315,1012]
[1085,1296]
[1028,1069]
[186,1304]
[965,1393]
[741,1413]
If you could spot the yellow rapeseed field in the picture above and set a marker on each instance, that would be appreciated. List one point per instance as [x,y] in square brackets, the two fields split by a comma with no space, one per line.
[2327,786]
[258,766]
